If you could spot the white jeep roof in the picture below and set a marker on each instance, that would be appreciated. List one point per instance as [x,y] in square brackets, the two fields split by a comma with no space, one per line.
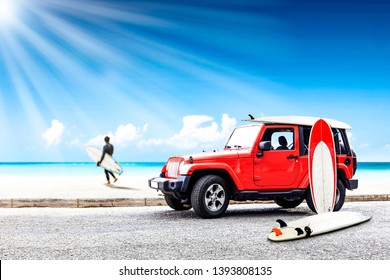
[299,120]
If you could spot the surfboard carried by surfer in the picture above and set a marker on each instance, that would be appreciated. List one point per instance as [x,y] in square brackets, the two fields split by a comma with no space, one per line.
[107,161]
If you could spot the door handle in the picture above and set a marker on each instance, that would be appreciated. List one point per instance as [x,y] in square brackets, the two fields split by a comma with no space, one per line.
[292,157]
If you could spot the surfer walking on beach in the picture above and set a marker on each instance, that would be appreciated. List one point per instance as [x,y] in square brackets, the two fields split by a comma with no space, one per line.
[107,149]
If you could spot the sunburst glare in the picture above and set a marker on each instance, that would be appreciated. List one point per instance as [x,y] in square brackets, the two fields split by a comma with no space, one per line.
[8,10]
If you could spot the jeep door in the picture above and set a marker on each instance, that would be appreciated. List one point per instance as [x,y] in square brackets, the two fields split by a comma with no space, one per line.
[278,167]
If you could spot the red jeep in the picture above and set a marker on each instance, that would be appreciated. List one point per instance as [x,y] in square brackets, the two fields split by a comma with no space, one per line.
[266,160]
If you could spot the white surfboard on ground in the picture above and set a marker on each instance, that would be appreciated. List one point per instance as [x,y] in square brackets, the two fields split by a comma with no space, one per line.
[315,225]
[108,162]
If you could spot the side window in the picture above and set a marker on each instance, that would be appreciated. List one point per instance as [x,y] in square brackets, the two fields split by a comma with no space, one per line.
[280,138]
[339,142]
[305,135]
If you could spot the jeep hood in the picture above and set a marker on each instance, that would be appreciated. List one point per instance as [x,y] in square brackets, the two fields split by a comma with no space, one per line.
[212,156]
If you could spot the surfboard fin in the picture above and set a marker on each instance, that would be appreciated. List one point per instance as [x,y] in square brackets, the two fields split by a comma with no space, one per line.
[281,223]
[277,231]
[299,231]
[308,231]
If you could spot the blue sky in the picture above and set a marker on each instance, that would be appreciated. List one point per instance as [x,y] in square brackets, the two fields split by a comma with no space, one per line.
[171,77]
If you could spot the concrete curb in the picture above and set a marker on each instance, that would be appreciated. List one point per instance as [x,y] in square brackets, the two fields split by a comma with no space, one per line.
[137,202]
[81,203]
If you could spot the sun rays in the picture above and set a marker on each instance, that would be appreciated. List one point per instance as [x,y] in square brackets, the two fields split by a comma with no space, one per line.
[74,61]
[54,55]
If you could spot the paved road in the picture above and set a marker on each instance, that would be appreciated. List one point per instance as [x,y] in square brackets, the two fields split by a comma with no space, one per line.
[160,233]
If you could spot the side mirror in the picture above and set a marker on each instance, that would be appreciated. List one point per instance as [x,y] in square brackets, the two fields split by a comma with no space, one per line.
[264,146]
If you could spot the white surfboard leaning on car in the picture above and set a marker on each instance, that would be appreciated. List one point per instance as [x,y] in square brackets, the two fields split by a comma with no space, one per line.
[322,167]
[108,162]
[315,225]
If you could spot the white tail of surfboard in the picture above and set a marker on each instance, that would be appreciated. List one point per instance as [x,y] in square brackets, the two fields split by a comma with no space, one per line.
[322,177]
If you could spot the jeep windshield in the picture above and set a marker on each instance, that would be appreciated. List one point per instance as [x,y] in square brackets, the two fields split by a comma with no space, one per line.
[243,137]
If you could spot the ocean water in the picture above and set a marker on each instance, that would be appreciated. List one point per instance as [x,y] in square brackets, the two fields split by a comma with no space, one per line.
[75,168]
[373,171]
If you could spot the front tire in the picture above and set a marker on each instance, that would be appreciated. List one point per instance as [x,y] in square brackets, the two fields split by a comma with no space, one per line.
[210,196]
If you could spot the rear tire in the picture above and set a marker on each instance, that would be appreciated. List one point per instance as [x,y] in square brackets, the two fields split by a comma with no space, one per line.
[339,200]
[289,202]
[210,196]
[340,196]
[176,204]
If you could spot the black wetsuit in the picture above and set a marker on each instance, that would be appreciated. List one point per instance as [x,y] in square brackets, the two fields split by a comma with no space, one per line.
[108,149]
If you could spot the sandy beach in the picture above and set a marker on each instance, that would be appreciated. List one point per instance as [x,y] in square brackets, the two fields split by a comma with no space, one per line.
[134,186]
[73,187]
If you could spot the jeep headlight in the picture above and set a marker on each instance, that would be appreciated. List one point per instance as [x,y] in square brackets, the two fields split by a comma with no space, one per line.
[173,167]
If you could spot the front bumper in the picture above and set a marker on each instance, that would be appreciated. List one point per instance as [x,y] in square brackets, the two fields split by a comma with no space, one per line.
[170,186]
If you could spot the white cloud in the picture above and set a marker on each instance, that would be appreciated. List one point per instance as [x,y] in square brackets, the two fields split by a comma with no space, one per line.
[197,131]
[53,134]
[123,135]
[228,124]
